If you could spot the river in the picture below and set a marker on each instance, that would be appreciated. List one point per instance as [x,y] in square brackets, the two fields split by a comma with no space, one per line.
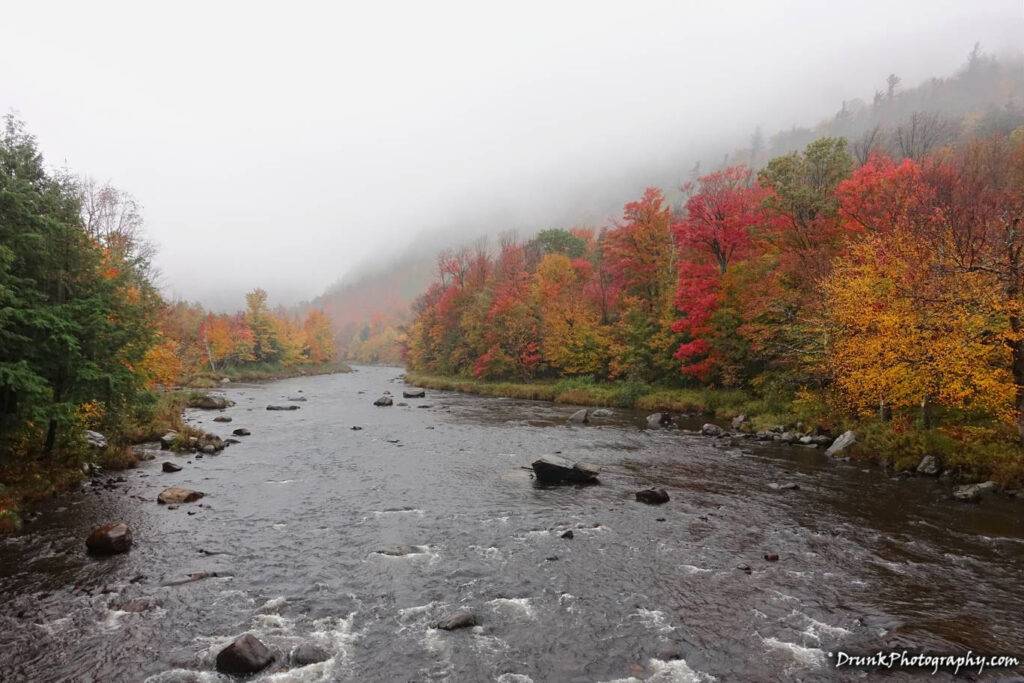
[293,515]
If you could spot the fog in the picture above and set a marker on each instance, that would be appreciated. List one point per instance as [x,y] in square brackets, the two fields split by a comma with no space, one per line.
[284,145]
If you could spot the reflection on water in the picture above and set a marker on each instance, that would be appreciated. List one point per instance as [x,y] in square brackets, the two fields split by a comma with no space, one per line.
[293,516]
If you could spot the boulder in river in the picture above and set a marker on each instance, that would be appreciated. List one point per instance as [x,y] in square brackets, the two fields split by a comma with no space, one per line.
[246,655]
[929,466]
[209,402]
[711,430]
[972,493]
[95,439]
[456,620]
[568,535]
[109,539]
[222,418]
[845,440]
[652,496]
[771,557]
[400,550]
[282,407]
[168,439]
[581,416]
[383,402]
[241,431]
[306,654]
[169,466]
[551,469]
[414,393]
[175,495]
[602,412]
[655,420]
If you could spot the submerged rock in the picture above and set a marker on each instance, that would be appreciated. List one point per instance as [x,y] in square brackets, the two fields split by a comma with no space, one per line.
[845,440]
[241,431]
[169,466]
[297,399]
[652,496]
[457,620]
[175,495]
[306,654]
[222,418]
[414,393]
[551,469]
[581,416]
[399,550]
[109,539]
[383,402]
[282,407]
[246,655]
[972,493]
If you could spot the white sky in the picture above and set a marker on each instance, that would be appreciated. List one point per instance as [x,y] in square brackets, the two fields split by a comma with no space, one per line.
[283,144]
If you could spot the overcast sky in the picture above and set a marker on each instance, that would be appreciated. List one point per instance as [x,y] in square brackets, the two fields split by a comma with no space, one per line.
[283,144]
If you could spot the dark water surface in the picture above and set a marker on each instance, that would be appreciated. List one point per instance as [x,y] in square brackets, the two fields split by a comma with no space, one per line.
[298,509]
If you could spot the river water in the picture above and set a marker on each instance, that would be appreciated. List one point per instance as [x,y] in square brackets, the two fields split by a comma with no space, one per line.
[294,514]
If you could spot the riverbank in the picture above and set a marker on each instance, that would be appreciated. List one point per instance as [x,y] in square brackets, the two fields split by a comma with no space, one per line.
[965,453]
[266,372]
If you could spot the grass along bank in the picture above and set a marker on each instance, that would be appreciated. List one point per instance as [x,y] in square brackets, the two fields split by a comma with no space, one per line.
[265,372]
[965,453]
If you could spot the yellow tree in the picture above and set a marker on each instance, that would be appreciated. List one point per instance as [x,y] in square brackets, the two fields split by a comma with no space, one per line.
[574,341]
[319,337]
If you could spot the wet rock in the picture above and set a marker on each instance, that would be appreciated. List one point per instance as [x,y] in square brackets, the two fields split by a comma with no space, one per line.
[402,404]
[763,436]
[457,620]
[652,496]
[209,449]
[845,440]
[95,439]
[109,539]
[175,495]
[306,654]
[656,420]
[246,655]
[789,437]
[222,418]
[356,428]
[297,399]
[771,557]
[807,440]
[241,431]
[209,402]
[228,442]
[282,407]
[711,430]
[399,550]
[135,605]
[744,568]
[580,417]
[602,412]
[739,421]
[568,535]
[972,493]
[551,469]
[414,393]
[383,402]
[929,466]
[168,439]
[169,466]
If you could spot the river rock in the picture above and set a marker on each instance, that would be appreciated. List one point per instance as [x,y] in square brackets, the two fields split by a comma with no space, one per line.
[788,486]
[399,550]
[771,557]
[306,654]
[168,439]
[95,439]
[652,496]
[414,393]
[246,655]
[972,493]
[241,431]
[456,620]
[169,466]
[581,416]
[655,420]
[929,466]
[297,399]
[282,407]
[109,539]
[222,418]
[845,440]
[711,430]
[175,495]
[551,469]
[209,449]
[739,421]
[789,437]
[602,412]
[383,402]
[208,402]
[568,535]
